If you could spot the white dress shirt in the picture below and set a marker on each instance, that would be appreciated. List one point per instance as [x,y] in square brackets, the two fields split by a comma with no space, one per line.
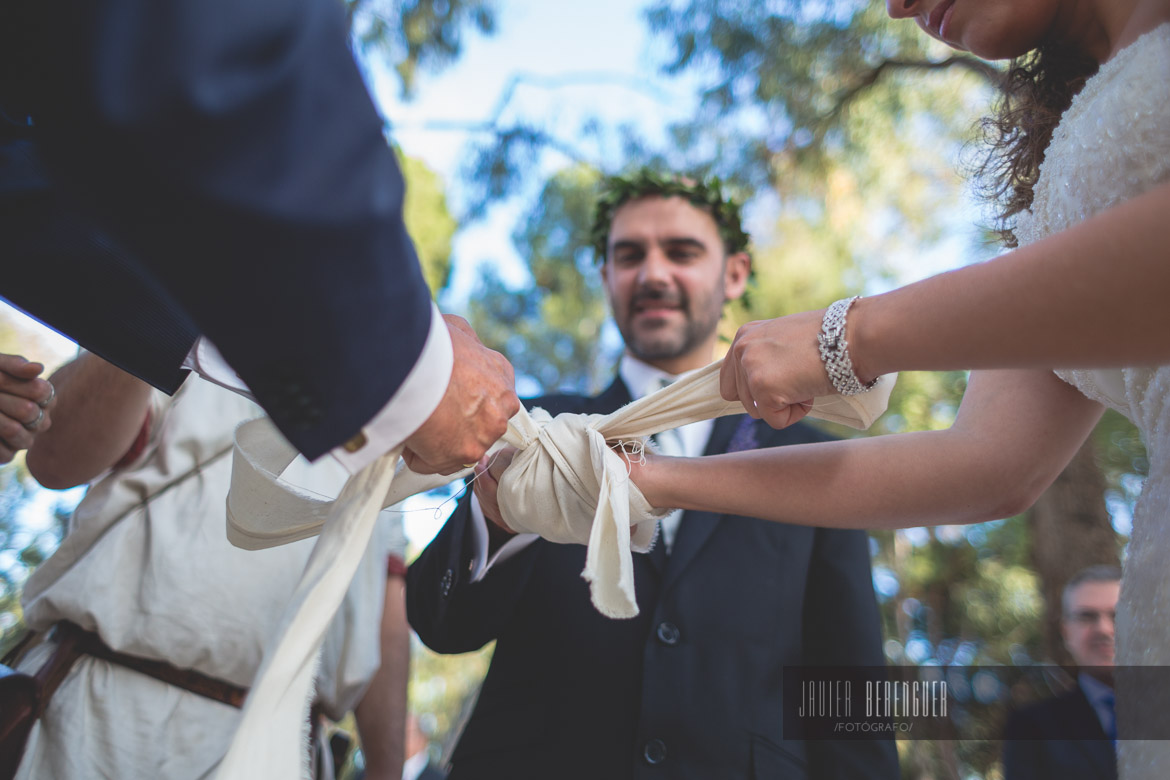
[640,379]
[411,405]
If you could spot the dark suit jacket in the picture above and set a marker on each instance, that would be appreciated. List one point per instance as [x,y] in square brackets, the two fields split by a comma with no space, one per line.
[693,681]
[1058,739]
[431,773]
[232,152]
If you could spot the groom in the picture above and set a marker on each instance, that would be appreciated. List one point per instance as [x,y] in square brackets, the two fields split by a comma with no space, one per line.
[690,687]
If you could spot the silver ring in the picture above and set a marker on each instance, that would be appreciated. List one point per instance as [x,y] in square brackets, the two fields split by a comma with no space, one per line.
[52,395]
[32,426]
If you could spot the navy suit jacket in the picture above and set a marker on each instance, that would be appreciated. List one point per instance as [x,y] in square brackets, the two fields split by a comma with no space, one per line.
[693,683]
[232,154]
[1058,739]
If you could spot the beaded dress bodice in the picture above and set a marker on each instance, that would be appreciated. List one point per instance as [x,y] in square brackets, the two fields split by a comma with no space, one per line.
[1113,144]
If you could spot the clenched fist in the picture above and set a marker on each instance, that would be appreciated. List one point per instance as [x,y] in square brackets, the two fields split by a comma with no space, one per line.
[26,403]
[474,412]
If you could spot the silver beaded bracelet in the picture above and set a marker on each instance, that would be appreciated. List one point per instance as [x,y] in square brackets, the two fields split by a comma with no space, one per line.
[835,350]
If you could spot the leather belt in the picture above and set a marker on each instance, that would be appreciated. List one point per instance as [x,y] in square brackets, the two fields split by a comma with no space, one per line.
[89,643]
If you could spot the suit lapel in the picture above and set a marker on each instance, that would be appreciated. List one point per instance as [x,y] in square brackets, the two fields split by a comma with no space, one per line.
[696,528]
[1099,752]
[613,398]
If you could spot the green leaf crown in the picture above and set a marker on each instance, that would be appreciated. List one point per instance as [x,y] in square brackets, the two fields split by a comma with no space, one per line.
[706,194]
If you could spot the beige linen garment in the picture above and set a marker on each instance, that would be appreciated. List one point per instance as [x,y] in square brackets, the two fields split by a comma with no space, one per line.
[565,483]
[145,565]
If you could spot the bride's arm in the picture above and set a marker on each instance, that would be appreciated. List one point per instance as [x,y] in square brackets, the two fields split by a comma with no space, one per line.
[1015,431]
[1092,296]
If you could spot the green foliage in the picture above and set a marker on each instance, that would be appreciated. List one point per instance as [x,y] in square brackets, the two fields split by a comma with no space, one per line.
[428,221]
[22,549]
[800,67]
[417,34]
[552,329]
[443,688]
[1122,456]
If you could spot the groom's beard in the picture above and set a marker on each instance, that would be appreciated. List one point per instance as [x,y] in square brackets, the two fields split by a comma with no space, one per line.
[687,328]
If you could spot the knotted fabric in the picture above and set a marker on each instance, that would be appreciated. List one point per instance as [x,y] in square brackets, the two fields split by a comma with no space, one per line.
[564,483]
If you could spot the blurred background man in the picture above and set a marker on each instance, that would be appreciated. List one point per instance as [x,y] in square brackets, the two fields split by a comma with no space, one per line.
[1073,735]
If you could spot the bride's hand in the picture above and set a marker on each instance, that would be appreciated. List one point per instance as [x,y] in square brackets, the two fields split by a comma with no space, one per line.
[774,368]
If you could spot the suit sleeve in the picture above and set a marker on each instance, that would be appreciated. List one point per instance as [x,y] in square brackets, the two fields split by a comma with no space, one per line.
[233,149]
[450,613]
[842,628]
[133,323]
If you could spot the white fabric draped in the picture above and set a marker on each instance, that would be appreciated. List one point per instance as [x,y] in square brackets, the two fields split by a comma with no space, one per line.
[565,483]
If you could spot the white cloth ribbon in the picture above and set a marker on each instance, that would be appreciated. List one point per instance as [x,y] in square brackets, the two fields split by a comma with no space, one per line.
[564,483]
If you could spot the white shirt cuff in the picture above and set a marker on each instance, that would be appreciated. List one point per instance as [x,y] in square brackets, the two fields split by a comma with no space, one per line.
[204,359]
[479,537]
[412,404]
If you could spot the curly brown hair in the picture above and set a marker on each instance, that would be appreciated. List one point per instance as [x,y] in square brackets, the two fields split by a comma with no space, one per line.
[1036,90]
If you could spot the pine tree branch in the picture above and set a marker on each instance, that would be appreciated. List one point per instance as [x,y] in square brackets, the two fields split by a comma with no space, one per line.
[989,73]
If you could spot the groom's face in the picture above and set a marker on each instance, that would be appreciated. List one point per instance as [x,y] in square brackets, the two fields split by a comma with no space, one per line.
[667,277]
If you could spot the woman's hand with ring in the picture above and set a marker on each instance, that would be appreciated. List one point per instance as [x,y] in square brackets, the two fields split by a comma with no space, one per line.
[26,403]
[774,369]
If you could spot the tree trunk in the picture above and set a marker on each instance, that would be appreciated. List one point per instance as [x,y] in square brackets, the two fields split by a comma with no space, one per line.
[1070,529]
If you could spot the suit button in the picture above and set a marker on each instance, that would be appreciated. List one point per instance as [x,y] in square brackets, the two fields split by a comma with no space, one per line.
[668,634]
[445,584]
[654,752]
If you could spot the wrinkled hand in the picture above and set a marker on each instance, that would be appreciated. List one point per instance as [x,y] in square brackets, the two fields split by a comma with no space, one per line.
[474,412]
[774,368]
[26,403]
[487,484]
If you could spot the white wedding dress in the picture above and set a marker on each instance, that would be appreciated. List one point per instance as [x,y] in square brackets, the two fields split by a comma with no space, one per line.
[1112,144]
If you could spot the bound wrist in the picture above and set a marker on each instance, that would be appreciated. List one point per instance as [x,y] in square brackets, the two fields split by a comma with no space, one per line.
[644,476]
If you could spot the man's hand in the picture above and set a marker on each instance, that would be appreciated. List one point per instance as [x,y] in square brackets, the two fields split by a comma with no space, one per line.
[487,484]
[474,412]
[25,404]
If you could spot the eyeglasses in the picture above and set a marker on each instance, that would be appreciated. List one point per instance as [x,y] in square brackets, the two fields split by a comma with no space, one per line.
[1090,617]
